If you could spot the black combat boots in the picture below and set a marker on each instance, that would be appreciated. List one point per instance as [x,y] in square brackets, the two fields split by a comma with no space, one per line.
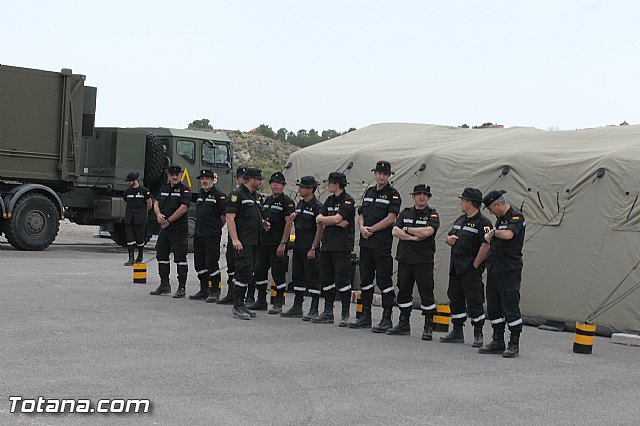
[296,309]
[344,315]
[385,323]
[427,331]
[140,255]
[325,317]
[456,335]
[513,349]
[313,310]
[364,321]
[403,328]
[260,304]
[239,310]
[129,262]
[477,336]
[163,288]
[204,289]
[497,344]
[180,292]
[214,293]
[228,299]
[276,306]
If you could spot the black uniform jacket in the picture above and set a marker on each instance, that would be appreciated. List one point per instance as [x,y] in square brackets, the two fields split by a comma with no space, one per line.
[417,251]
[376,205]
[169,200]
[506,255]
[470,232]
[210,205]
[305,223]
[136,199]
[248,219]
[336,238]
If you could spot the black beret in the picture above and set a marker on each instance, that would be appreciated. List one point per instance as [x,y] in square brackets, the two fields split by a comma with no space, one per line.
[492,196]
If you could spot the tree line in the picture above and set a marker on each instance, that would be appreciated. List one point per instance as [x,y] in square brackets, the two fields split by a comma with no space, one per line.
[301,138]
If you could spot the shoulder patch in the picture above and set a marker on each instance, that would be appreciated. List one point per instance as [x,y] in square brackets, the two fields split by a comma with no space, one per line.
[186,190]
[234,198]
[348,201]
[515,218]
[434,215]
[487,229]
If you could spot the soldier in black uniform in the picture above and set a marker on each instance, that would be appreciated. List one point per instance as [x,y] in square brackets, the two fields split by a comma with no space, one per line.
[274,237]
[416,229]
[504,269]
[336,227]
[137,201]
[380,208]
[171,212]
[468,251]
[230,254]
[244,221]
[210,218]
[305,258]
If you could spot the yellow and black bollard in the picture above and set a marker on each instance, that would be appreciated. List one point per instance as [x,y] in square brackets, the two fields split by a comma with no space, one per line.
[139,273]
[583,339]
[358,304]
[441,318]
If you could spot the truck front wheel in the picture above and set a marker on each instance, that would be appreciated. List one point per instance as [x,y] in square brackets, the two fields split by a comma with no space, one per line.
[34,223]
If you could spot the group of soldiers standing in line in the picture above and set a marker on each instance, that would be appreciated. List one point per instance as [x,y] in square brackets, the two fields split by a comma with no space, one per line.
[259,230]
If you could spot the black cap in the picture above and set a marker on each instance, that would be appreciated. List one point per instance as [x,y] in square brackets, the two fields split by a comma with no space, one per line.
[277,177]
[174,168]
[131,176]
[308,182]
[491,197]
[252,172]
[471,194]
[421,188]
[206,173]
[240,171]
[337,177]
[383,167]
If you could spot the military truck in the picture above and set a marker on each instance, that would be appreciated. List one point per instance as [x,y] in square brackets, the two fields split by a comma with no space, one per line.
[55,164]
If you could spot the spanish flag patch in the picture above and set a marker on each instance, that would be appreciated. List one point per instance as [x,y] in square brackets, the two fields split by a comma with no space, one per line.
[434,215]
[487,229]
[515,218]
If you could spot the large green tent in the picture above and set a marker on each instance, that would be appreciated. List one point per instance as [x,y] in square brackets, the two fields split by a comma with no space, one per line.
[578,191]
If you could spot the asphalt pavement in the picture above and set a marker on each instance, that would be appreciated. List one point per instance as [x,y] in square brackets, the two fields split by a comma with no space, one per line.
[75,326]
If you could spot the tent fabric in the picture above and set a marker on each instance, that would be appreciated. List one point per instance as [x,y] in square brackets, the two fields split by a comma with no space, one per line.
[583,231]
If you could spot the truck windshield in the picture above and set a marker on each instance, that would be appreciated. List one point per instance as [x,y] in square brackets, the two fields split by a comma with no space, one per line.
[215,155]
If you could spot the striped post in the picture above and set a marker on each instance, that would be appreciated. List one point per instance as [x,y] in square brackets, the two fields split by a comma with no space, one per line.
[358,304]
[583,339]
[441,318]
[139,273]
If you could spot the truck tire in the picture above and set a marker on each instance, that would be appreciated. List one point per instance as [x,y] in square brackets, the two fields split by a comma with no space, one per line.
[34,223]
[154,163]
[118,235]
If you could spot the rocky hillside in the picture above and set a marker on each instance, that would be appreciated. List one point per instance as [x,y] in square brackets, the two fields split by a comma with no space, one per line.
[253,150]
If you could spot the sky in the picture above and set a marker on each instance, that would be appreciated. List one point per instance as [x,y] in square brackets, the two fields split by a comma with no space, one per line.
[339,64]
